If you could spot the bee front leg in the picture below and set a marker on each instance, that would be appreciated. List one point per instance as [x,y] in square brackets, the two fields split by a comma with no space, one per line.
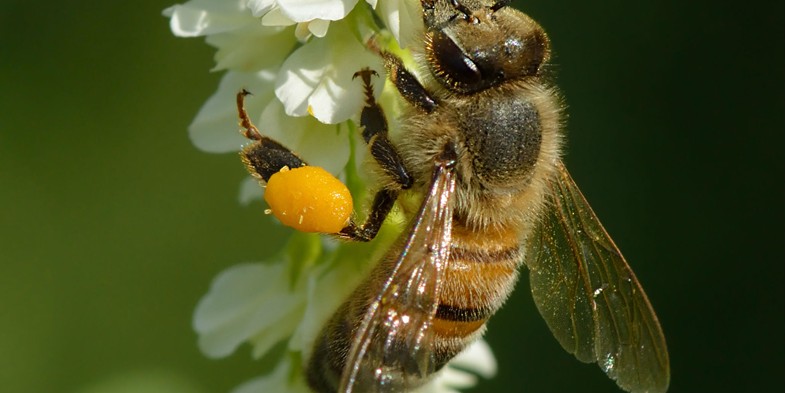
[407,85]
[383,202]
[375,133]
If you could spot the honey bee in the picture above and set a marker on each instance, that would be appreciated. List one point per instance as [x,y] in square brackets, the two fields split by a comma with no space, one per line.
[481,147]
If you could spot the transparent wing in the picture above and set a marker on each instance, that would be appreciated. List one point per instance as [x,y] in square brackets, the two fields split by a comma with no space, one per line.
[391,350]
[590,297]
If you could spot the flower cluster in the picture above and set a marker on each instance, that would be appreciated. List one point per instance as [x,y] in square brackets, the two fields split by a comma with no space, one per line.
[298,58]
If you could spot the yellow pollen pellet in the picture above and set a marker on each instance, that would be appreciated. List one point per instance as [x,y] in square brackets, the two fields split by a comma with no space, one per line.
[309,199]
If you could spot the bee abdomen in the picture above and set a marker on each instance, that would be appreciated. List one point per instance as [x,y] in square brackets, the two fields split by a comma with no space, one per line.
[329,356]
[481,274]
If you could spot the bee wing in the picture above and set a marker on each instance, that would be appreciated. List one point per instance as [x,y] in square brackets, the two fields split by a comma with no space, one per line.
[394,338]
[590,297]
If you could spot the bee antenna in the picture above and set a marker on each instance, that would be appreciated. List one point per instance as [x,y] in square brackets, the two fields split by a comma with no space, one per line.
[467,13]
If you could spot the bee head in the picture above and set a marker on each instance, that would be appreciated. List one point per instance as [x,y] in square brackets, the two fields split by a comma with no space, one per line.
[472,45]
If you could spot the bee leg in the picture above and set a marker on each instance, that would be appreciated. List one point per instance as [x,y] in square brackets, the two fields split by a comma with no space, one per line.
[374,132]
[263,157]
[410,88]
[383,202]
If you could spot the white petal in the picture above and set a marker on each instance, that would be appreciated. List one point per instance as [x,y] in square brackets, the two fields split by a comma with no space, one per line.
[299,76]
[250,190]
[403,18]
[276,18]
[252,48]
[337,98]
[448,380]
[242,301]
[328,285]
[302,33]
[307,10]
[477,358]
[284,326]
[261,7]
[318,77]
[204,17]
[462,371]
[215,127]
[277,381]
[318,27]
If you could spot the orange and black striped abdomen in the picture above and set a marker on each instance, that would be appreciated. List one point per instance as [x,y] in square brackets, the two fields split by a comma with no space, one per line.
[482,272]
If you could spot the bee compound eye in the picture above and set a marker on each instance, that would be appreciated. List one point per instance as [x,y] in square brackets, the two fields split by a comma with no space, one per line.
[453,66]
[309,199]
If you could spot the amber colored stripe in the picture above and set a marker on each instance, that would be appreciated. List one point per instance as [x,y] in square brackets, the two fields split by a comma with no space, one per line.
[450,329]
[482,274]
[489,239]
[477,285]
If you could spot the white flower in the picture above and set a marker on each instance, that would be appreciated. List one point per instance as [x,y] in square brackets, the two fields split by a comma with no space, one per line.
[311,16]
[248,301]
[402,17]
[277,381]
[462,371]
[314,80]
[304,10]
[298,58]
[318,77]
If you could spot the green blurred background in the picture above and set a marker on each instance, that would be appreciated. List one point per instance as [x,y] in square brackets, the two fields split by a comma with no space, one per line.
[112,224]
